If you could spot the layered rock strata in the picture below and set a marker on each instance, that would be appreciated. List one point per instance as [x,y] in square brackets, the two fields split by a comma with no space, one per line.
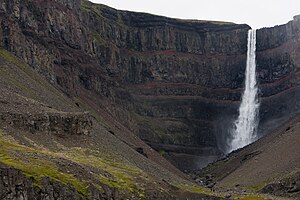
[51,123]
[175,83]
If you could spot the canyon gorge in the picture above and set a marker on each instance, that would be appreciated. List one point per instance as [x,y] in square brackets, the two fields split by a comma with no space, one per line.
[151,82]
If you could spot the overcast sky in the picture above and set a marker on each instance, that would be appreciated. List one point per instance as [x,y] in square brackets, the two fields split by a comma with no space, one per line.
[256,13]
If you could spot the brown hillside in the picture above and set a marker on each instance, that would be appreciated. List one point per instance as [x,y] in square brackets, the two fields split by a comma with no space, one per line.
[270,165]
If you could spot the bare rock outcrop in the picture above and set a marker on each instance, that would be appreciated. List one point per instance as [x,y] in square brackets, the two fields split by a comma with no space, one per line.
[52,123]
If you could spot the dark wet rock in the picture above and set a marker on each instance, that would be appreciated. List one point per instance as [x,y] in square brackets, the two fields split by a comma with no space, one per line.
[141,151]
[287,187]
[228,196]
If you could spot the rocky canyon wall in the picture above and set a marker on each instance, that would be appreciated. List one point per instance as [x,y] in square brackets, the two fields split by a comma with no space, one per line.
[278,64]
[178,78]
[175,83]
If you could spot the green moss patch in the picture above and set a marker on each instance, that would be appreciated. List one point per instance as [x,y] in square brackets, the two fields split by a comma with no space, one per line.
[120,181]
[43,163]
[122,174]
[32,164]
[257,187]
[7,55]
[251,197]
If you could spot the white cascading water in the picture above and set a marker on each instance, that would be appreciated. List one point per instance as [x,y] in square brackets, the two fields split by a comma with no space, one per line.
[245,128]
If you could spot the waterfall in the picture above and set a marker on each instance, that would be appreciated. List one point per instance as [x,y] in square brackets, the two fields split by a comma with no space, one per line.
[245,127]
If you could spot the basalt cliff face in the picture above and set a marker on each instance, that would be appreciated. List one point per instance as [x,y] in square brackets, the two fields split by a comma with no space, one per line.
[175,83]
[278,64]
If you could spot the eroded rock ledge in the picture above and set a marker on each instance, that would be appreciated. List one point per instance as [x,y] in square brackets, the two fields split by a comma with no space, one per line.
[53,123]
